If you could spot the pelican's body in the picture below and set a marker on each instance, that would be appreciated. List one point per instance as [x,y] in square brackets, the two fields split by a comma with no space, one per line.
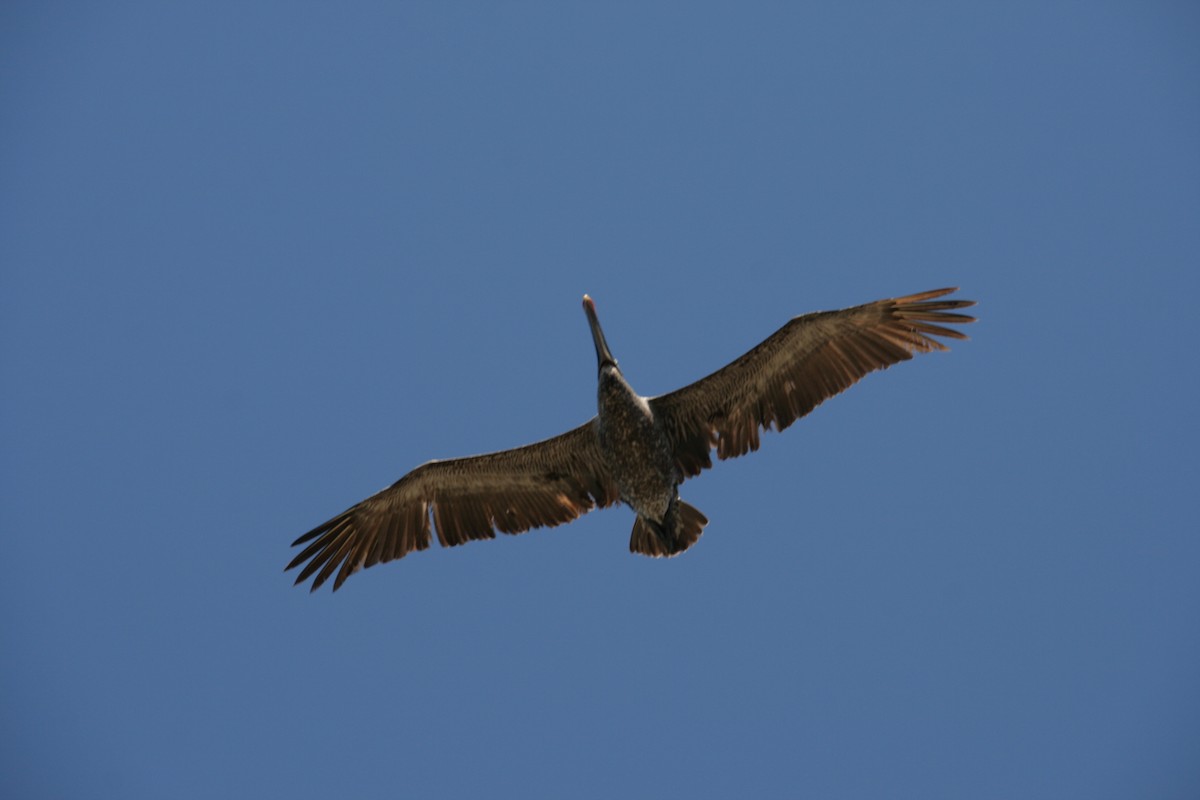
[637,450]
[639,456]
[634,446]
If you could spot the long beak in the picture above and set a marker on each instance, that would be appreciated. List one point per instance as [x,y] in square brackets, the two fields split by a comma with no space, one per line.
[603,354]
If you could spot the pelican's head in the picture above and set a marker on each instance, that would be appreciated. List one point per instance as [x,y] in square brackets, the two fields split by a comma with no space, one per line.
[603,354]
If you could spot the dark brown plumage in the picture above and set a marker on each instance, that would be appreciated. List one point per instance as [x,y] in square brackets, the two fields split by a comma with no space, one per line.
[636,449]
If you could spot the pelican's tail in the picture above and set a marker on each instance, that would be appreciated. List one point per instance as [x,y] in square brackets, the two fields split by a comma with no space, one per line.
[679,530]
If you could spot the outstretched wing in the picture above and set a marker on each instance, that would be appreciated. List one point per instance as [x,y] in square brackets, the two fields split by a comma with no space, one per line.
[542,484]
[811,358]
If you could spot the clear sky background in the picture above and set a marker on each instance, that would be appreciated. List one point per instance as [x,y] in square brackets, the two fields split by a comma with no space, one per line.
[258,260]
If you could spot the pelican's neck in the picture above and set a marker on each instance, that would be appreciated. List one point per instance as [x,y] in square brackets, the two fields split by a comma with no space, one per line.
[612,388]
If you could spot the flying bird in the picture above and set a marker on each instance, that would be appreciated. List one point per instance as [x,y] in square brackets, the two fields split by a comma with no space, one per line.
[637,450]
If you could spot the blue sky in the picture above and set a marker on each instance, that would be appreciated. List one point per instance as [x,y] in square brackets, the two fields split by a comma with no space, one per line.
[257,260]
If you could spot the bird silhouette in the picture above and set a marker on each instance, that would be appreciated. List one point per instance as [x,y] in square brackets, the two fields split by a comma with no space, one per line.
[636,450]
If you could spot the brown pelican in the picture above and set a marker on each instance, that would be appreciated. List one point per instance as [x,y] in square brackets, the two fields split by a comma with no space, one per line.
[636,449]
